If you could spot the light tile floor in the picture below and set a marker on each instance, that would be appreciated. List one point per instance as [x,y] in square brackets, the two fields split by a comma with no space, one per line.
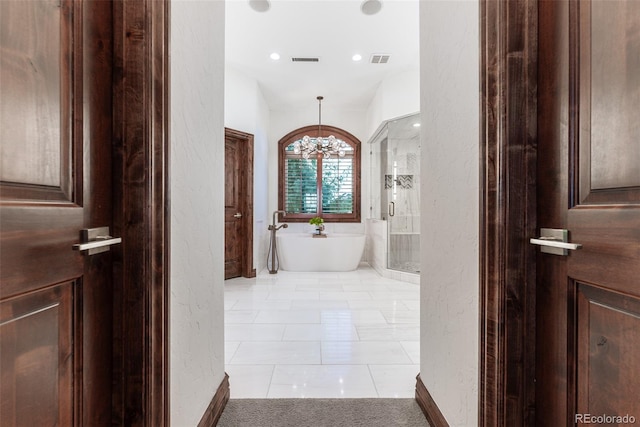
[322,335]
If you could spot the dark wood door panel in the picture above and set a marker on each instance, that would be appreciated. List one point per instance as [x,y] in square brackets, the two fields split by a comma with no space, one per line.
[552,294]
[56,179]
[608,351]
[607,63]
[232,204]
[588,321]
[232,248]
[232,175]
[238,200]
[42,237]
[37,351]
[238,204]
[41,107]
[610,251]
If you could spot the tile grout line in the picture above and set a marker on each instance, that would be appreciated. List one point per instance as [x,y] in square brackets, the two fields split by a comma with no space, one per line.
[373,380]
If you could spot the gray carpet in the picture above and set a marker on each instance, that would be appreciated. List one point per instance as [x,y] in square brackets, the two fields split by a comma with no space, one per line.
[322,413]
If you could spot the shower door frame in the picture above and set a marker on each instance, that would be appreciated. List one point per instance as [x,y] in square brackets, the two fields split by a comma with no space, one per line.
[382,135]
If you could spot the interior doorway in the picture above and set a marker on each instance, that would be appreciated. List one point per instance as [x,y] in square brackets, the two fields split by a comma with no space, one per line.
[238,204]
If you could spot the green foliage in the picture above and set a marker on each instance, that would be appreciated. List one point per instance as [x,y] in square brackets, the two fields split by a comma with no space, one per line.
[316,220]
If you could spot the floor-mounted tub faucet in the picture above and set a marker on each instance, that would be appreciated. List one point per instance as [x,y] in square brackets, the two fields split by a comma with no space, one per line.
[273,222]
[273,250]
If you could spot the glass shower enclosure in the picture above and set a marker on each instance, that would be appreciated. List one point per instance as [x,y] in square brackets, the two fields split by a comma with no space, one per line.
[395,189]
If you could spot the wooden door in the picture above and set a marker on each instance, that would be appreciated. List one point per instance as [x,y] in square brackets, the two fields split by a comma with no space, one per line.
[588,303]
[235,236]
[55,139]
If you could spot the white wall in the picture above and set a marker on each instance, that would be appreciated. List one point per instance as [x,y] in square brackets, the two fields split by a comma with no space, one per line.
[449,40]
[246,110]
[262,214]
[397,95]
[197,207]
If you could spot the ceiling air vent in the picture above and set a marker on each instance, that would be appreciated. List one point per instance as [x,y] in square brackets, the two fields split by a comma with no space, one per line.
[294,59]
[379,58]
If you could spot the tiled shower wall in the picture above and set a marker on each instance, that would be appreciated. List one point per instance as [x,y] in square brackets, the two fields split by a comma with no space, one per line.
[404,191]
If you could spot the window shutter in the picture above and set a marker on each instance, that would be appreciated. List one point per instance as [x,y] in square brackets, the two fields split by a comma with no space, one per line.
[337,185]
[301,195]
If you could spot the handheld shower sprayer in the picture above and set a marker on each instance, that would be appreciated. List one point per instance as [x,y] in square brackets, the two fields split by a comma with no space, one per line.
[273,250]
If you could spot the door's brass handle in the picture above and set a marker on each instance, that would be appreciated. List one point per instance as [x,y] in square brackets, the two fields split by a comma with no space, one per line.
[238,215]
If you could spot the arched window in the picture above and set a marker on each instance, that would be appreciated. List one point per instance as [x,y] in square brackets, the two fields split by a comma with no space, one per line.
[319,186]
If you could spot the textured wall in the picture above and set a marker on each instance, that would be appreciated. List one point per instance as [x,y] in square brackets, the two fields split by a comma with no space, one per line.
[397,95]
[246,110]
[449,40]
[197,201]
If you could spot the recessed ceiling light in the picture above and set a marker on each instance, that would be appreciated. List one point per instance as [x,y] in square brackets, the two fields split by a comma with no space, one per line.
[260,5]
[356,57]
[371,7]
[275,56]
[416,125]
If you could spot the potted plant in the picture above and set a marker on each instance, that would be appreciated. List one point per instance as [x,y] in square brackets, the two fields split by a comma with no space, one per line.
[318,222]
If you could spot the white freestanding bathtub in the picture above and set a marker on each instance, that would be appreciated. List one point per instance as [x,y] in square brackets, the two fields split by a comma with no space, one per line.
[336,252]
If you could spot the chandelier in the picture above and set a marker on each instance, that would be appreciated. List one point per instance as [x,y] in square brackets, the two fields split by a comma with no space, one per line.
[319,145]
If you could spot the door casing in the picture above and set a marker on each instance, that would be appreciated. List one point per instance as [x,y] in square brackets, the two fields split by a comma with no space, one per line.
[141,212]
[508,32]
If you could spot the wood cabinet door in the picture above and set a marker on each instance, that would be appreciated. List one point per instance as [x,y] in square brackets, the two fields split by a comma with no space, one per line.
[55,172]
[588,302]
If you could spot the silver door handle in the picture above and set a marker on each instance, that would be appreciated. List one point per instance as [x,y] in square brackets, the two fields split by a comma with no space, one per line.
[392,208]
[555,241]
[100,242]
[95,240]
[238,215]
